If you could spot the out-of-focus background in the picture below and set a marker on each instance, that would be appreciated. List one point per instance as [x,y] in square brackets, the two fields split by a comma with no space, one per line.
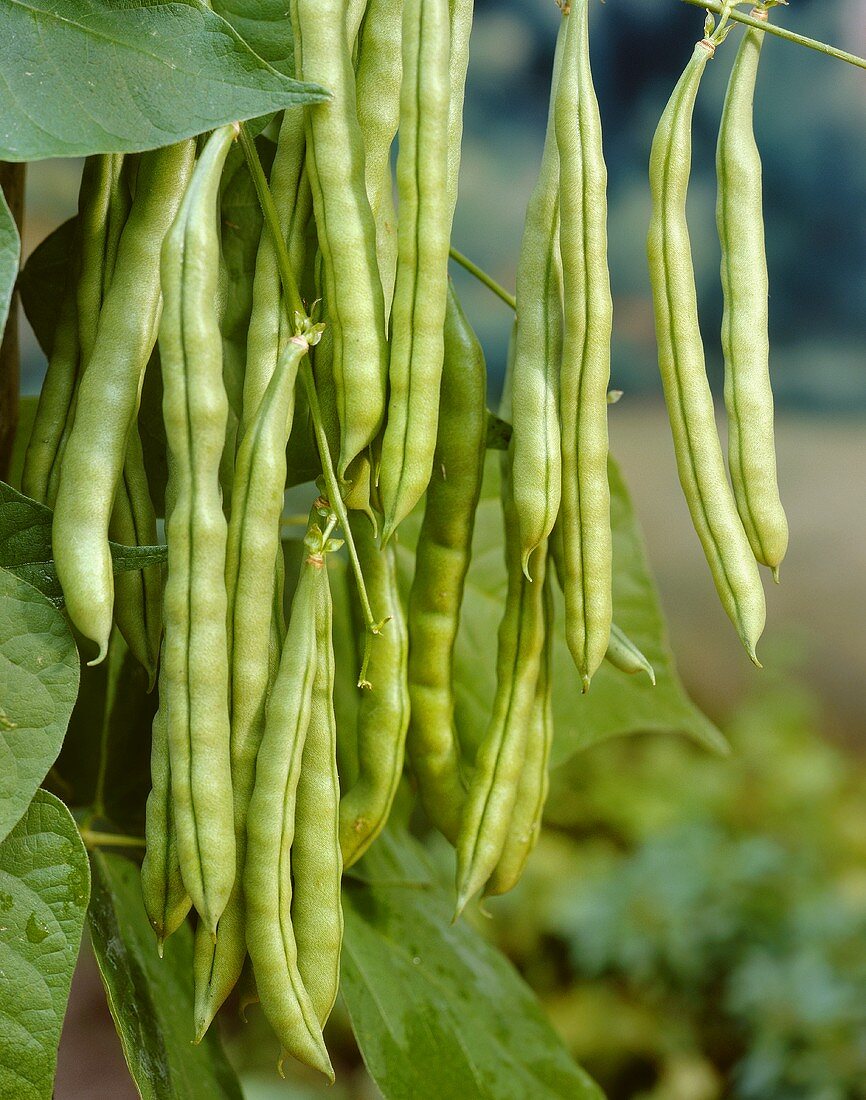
[696,927]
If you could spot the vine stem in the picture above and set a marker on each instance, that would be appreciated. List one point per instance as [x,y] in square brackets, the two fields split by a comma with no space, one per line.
[483,277]
[717,7]
[93,839]
[302,323]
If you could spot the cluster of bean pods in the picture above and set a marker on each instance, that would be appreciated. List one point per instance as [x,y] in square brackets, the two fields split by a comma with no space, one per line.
[348,342]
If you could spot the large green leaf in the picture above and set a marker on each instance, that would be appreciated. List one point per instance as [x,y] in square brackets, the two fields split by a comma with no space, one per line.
[437,1011]
[44,886]
[151,998]
[265,26]
[616,704]
[10,252]
[103,76]
[43,279]
[25,545]
[39,678]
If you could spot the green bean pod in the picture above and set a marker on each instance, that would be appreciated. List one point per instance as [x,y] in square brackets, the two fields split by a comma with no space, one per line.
[270,833]
[586,533]
[317,864]
[347,232]
[380,70]
[252,547]
[461,12]
[166,900]
[270,325]
[108,395]
[442,556]
[683,370]
[421,289]
[195,410]
[383,710]
[525,827]
[499,764]
[745,336]
[138,603]
[99,175]
[537,472]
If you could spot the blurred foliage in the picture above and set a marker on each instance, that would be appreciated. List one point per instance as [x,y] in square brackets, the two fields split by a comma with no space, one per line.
[696,927]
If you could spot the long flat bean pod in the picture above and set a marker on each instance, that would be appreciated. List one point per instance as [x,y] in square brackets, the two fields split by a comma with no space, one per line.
[442,557]
[252,548]
[495,781]
[108,395]
[537,472]
[586,534]
[195,409]
[745,336]
[270,831]
[347,232]
[683,370]
[317,864]
[423,239]
[461,12]
[525,827]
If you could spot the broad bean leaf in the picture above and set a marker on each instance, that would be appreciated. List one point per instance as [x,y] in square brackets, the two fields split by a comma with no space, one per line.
[266,28]
[44,887]
[150,998]
[616,704]
[43,279]
[38,684]
[436,1010]
[103,76]
[10,252]
[25,545]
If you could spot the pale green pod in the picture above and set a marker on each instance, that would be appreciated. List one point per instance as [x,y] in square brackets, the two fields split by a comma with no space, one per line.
[745,334]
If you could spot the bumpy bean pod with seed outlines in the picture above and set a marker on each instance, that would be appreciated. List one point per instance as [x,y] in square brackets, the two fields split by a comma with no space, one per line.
[195,673]
[682,366]
[745,338]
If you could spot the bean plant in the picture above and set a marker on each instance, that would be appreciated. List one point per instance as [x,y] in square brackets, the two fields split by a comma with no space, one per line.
[261,527]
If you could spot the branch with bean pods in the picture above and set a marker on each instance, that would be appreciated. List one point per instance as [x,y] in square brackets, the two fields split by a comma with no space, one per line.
[358,356]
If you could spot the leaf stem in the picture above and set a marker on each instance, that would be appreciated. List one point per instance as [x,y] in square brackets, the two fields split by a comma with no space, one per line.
[94,839]
[484,278]
[269,209]
[780,32]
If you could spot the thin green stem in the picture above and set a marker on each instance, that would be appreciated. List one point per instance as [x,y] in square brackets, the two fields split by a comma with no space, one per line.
[272,219]
[780,32]
[335,499]
[93,839]
[484,278]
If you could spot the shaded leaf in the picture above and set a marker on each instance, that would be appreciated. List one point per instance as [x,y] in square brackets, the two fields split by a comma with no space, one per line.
[25,545]
[119,76]
[38,684]
[265,26]
[43,280]
[10,252]
[151,998]
[437,1011]
[44,887]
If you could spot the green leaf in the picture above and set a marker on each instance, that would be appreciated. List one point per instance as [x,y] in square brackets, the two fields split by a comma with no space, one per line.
[39,678]
[44,886]
[43,279]
[436,1010]
[616,704]
[10,253]
[265,26]
[25,545]
[151,998]
[102,76]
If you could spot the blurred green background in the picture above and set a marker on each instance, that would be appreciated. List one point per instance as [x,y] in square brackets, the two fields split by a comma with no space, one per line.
[695,926]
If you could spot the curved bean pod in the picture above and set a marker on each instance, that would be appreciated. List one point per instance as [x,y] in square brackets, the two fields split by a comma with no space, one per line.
[745,338]
[421,289]
[347,232]
[383,710]
[108,395]
[537,466]
[683,371]
[586,533]
[195,410]
[442,557]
